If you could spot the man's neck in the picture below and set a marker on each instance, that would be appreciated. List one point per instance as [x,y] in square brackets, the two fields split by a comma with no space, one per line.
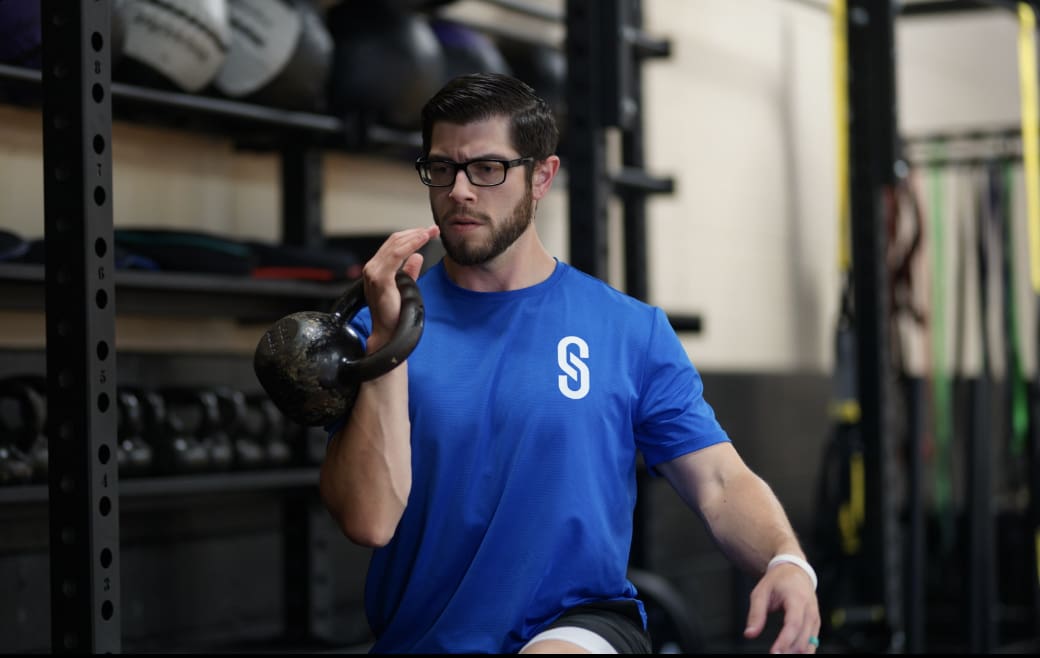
[524,264]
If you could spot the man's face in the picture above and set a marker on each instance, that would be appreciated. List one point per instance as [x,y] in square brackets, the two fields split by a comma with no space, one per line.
[479,223]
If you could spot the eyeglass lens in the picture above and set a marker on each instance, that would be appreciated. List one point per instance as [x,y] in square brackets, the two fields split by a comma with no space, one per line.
[480,172]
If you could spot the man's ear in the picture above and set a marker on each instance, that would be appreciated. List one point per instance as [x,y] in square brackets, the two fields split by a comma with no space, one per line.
[543,176]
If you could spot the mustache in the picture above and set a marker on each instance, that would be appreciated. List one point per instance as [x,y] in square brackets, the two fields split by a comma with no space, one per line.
[455,215]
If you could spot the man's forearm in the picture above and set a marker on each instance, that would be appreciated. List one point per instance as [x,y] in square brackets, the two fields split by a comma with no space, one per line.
[749,523]
[366,474]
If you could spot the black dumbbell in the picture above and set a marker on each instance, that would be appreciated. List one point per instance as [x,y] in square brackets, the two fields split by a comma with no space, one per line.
[198,410]
[14,464]
[28,428]
[176,451]
[267,425]
[136,455]
[231,405]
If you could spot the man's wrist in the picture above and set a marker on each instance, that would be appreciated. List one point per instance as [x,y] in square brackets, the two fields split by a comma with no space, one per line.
[791,558]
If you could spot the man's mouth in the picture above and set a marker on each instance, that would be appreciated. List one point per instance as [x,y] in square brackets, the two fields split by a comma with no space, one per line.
[463,221]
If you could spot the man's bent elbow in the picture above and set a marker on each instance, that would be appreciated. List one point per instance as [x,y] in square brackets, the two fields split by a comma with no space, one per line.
[360,526]
[361,529]
[367,536]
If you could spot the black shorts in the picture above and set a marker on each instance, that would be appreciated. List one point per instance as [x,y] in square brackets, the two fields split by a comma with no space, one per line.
[617,622]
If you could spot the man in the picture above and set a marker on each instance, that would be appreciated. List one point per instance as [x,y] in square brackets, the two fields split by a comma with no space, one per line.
[494,470]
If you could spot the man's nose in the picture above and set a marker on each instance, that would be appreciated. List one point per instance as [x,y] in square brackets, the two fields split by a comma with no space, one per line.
[462,187]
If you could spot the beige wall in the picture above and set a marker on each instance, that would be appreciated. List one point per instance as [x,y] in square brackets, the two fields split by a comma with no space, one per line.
[741,115]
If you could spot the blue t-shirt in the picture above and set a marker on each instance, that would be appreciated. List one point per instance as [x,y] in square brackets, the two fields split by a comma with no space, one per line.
[527,410]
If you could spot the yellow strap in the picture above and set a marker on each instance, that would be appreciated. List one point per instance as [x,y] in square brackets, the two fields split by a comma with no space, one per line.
[1027,77]
[839,29]
[1027,80]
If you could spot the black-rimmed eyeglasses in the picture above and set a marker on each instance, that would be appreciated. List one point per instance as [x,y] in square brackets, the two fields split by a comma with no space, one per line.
[482,173]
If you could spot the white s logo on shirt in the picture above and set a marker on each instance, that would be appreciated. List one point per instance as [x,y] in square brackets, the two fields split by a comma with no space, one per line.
[573,366]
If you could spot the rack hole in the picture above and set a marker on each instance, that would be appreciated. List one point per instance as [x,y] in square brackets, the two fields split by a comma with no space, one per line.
[102,350]
[98,92]
[99,144]
[106,557]
[101,298]
[105,505]
[97,41]
[99,195]
[104,453]
[102,402]
[106,610]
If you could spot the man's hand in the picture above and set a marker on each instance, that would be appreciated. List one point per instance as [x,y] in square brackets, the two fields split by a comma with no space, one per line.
[788,588]
[399,252]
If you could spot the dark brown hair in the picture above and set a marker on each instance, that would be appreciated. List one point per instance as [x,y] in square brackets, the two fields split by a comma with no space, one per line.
[481,96]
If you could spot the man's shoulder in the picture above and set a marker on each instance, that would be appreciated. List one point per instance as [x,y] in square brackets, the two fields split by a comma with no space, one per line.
[598,291]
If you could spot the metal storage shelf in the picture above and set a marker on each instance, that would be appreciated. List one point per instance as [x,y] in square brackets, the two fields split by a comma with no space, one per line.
[175,485]
[245,121]
[182,293]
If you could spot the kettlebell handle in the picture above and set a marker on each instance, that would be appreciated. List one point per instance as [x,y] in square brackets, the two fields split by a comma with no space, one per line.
[396,350]
[311,364]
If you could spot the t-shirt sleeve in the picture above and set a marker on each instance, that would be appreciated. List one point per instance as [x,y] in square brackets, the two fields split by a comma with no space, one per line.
[673,418]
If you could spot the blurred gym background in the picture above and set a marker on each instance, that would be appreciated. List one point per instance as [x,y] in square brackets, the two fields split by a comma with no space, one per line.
[835,201]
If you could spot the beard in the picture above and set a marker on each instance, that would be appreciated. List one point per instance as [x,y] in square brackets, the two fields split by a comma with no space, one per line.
[464,252]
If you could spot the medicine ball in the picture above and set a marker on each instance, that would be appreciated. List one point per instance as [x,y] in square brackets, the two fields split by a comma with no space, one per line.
[541,66]
[466,50]
[21,38]
[12,246]
[169,45]
[21,34]
[117,37]
[386,63]
[419,5]
[280,54]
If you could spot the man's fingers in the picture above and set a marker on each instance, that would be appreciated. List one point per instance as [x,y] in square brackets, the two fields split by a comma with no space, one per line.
[395,252]
[413,265]
[791,639]
[757,611]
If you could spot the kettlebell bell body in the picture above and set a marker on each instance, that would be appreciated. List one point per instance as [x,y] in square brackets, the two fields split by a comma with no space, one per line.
[311,364]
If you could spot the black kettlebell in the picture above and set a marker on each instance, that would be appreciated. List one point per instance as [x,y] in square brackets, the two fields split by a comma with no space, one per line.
[30,393]
[311,363]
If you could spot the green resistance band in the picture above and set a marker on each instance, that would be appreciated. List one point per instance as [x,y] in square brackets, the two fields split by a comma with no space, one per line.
[1019,395]
[942,401]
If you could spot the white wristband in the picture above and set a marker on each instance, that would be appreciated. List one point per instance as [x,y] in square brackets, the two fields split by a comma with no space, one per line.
[798,562]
